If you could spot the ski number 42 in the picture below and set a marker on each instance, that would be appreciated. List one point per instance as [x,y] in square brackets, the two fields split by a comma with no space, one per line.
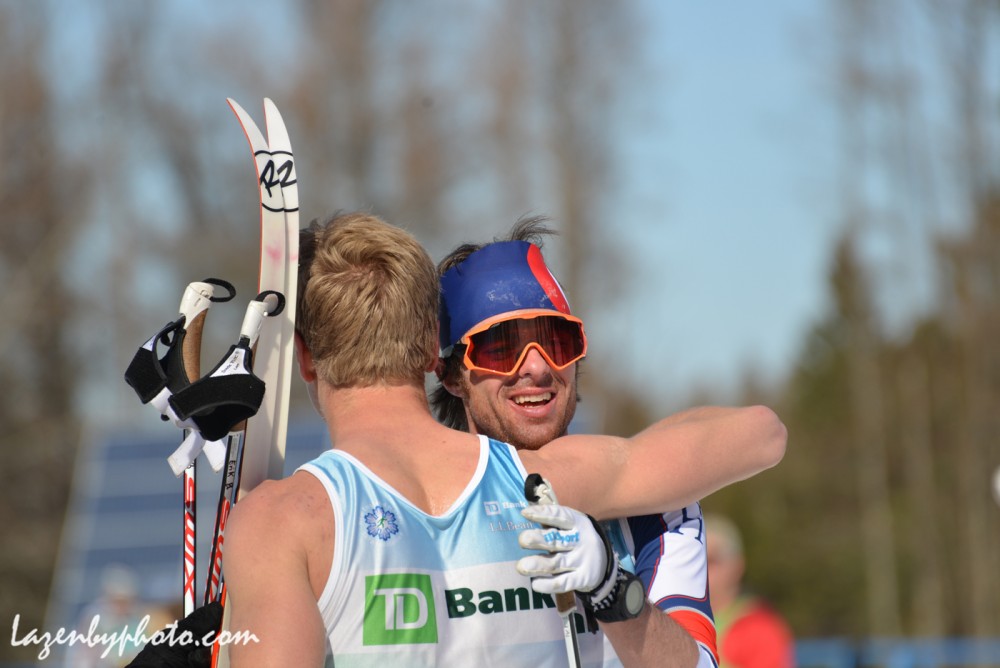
[274,176]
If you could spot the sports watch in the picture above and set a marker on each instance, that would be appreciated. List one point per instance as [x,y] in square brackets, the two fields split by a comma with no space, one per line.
[627,595]
[625,601]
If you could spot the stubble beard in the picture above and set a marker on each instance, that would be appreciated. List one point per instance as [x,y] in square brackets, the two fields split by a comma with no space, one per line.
[523,436]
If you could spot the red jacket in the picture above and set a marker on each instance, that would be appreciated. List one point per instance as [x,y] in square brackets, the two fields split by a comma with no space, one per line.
[752,635]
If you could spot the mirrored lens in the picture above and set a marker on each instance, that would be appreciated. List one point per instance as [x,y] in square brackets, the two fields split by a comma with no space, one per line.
[499,347]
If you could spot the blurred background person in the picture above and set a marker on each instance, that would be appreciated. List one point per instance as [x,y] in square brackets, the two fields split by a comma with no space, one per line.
[750,634]
[118,610]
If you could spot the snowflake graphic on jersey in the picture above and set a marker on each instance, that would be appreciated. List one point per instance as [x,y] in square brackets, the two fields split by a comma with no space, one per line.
[381,523]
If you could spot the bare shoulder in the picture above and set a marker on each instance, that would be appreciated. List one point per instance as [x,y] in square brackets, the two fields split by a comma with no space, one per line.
[268,566]
[278,514]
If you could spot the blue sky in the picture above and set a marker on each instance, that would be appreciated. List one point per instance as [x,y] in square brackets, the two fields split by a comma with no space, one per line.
[732,186]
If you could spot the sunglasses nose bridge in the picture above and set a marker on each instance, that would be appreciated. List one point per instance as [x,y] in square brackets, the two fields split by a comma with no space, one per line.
[543,355]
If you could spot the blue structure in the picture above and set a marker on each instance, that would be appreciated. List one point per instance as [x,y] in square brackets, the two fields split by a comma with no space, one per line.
[126,508]
[897,652]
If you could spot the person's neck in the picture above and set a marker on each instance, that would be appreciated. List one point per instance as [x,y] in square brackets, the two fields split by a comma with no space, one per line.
[391,431]
[723,597]
[354,412]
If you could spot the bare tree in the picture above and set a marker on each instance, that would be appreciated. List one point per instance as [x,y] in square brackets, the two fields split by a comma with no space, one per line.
[896,181]
[40,196]
[967,35]
[868,434]
[976,284]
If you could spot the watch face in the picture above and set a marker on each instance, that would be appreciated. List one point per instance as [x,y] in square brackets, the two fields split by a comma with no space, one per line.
[635,597]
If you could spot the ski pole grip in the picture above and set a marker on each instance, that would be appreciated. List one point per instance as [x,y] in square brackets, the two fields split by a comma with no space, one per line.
[194,307]
[267,304]
[197,298]
[538,491]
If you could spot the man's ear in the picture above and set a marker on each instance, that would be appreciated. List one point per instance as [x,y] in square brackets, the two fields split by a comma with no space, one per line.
[452,383]
[307,369]
[434,363]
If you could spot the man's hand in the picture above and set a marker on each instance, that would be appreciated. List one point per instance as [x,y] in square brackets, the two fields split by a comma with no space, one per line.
[579,556]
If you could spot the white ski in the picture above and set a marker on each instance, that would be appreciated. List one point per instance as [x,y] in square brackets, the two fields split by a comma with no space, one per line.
[264,449]
[263,442]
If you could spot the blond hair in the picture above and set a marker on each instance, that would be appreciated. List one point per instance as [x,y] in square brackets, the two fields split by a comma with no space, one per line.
[367,303]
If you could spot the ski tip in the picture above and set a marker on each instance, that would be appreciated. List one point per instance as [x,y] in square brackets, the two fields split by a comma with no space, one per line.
[236,108]
[271,111]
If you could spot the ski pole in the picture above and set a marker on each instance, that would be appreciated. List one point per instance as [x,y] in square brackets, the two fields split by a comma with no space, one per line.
[197,299]
[194,306]
[537,491]
[267,304]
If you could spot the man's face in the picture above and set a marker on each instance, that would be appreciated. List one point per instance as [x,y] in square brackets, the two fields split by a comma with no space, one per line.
[527,409]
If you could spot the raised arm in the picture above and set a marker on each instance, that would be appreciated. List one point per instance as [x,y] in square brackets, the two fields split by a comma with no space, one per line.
[268,579]
[667,466]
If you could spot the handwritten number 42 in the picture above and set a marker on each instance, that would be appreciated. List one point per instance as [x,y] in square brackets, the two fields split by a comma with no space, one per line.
[272,176]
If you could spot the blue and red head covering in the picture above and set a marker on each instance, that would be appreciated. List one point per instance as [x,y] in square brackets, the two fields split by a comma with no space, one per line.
[499,278]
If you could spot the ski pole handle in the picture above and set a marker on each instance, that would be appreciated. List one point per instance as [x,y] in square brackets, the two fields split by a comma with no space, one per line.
[538,491]
[194,307]
[197,298]
[266,305]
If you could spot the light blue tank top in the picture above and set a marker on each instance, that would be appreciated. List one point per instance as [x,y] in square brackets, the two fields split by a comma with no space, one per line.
[415,590]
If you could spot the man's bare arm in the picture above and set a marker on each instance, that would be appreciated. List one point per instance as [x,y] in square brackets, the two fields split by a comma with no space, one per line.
[667,466]
[652,640]
[267,578]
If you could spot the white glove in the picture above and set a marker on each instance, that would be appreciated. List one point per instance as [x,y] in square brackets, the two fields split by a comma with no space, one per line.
[579,553]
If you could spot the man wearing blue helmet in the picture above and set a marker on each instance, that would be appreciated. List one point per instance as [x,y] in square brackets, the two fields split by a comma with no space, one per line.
[510,351]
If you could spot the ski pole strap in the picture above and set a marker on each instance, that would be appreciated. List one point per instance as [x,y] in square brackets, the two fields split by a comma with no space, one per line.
[148,373]
[231,393]
[192,446]
[214,404]
[228,395]
[145,373]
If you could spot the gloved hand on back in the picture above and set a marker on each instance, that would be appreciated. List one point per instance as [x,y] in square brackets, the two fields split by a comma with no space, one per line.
[578,553]
[578,558]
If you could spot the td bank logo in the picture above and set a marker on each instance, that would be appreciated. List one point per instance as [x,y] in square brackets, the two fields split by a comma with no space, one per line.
[399,609]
